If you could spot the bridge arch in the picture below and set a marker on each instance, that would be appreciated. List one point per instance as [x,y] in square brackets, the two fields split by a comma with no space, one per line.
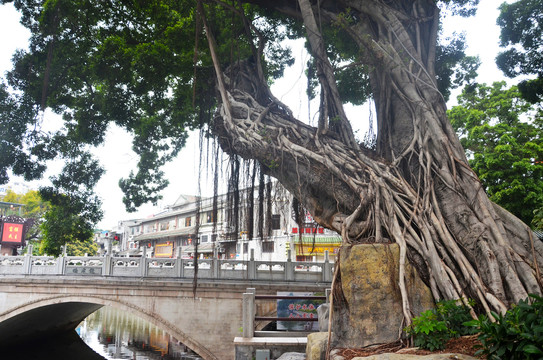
[206,321]
[76,308]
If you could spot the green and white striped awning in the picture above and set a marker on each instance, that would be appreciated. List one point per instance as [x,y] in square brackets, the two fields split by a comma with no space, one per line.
[308,239]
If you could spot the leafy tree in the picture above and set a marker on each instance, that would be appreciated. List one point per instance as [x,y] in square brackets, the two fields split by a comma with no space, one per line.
[134,63]
[521,25]
[502,136]
[63,225]
[537,221]
[74,209]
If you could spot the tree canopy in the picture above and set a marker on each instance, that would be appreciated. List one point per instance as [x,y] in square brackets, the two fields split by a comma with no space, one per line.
[136,65]
[521,25]
[501,133]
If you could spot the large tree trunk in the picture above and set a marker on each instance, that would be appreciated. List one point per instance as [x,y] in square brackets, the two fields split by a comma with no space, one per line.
[416,189]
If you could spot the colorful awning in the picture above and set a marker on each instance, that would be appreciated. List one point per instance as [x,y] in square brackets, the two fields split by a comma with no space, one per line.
[165,234]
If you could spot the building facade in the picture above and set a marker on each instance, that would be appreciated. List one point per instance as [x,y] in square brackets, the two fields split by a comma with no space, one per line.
[206,227]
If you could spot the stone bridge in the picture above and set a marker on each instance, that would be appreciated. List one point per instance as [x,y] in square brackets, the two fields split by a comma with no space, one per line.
[43,295]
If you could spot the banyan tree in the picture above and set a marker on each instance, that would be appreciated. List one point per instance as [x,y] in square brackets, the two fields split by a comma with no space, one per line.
[159,68]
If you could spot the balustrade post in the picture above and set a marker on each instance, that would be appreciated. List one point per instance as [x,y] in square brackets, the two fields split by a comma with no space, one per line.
[143,262]
[327,267]
[178,262]
[252,291]
[27,263]
[248,310]
[215,267]
[289,268]
[144,267]
[181,270]
[107,265]
[61,265]
[251,267]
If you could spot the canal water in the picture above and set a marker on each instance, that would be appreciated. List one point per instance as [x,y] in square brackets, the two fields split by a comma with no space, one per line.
[108,334]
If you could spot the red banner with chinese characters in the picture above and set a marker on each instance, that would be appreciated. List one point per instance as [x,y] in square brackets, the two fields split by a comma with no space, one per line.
[12,233]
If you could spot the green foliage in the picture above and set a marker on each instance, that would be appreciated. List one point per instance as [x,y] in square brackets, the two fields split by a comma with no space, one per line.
[501,134]
[455,316]
[131,63]
[453,67]
[74,208]
[433,328]
[429,332]
[134,64]
[517,335]
[18,138]
[521,25]
[537,221]
[63,225]
[80,248]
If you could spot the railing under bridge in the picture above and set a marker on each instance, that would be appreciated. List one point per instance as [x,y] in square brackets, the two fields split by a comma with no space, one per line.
[301,271]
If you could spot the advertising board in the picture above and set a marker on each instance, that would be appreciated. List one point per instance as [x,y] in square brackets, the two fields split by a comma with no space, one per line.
[12,233]
[298,309]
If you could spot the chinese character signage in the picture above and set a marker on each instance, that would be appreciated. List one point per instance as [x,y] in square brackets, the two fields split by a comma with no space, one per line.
[299,309]
[12,233]
[164,250]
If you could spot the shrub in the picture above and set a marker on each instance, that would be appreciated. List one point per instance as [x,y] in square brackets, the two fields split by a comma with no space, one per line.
[517,335]
[429,332]
[455,317]
[433,328]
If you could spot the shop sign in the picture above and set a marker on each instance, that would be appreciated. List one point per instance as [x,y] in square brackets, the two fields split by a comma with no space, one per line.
[164,250]
[318,249]
[12,233]
[308,230]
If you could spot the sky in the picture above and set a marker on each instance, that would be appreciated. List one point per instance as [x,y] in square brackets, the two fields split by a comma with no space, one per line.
[482,35]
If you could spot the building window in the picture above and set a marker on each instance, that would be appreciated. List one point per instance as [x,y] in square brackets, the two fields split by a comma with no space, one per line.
[267,246]
[209,217]
[276,222]
[187,221]
[203,239]
[245,248]
[164,226]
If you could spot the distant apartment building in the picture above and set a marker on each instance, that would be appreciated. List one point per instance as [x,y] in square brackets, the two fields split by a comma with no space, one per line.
[176,232]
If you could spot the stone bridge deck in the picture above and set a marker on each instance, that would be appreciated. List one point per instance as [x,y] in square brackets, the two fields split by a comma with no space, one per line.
[43,295]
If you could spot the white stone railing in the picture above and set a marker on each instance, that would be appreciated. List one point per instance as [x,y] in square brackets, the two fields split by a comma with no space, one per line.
[212,269]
